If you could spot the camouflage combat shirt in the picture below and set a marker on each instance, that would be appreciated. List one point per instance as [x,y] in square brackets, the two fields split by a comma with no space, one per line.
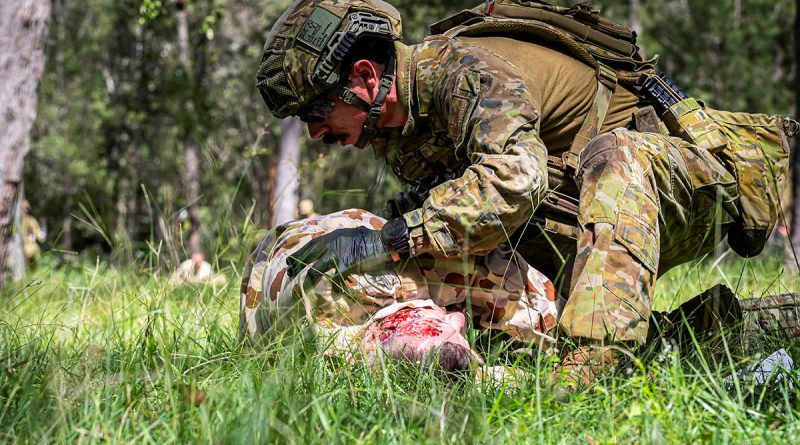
[479,132]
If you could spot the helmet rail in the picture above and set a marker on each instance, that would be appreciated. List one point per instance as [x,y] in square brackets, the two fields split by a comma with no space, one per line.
[362,24]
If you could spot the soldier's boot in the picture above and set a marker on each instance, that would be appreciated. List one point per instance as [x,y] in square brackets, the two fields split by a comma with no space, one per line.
[774,317]
[704,315]
[583,365]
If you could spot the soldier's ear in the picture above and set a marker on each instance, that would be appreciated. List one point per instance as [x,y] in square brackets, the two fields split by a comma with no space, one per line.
[366,74]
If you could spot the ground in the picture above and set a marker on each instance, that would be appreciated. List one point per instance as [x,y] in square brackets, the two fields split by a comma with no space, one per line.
[96,354]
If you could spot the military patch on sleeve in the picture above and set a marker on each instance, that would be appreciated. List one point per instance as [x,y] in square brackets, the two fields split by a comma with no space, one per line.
[319,28]
[461,104]
[458,112]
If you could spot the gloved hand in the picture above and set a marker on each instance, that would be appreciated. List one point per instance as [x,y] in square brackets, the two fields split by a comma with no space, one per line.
[402,202]
[345,250]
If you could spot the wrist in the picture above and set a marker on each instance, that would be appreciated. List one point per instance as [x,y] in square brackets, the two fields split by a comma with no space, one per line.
[395,238]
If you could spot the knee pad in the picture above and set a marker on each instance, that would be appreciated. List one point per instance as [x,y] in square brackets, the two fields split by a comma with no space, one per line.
[604,149]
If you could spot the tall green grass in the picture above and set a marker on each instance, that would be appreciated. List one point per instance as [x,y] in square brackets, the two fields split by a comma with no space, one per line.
[93,353]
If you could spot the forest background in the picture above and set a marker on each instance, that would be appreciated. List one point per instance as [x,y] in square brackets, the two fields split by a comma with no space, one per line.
[150,142]
[150,135]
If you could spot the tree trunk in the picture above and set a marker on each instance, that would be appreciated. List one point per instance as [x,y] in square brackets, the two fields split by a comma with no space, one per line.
[192,179]
[16,253]
[66,233]
[121,238]
[23,30]
[284,196]
[191,152]
[795,228]
[634,9]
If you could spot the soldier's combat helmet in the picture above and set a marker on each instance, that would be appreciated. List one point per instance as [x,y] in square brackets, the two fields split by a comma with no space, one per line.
[305,49]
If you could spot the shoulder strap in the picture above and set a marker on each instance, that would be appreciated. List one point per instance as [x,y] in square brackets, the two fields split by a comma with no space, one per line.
[607,47]
[579,29]
[606,83]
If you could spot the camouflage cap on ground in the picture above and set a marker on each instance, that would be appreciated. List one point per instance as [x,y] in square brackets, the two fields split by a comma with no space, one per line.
[297,42]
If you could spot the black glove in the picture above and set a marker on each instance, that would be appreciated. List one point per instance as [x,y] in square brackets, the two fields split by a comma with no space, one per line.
[343,249]
[401,203]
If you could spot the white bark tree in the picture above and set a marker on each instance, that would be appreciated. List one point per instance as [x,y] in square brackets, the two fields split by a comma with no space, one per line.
[634,20]
[15,256]
[23,31]
[285,189]
[191,152]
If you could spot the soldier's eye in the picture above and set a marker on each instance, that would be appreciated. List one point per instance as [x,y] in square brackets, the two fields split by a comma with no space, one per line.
[316,110]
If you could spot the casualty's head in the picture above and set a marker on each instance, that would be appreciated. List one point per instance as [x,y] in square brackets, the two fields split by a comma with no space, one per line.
[422,334]
[313,64]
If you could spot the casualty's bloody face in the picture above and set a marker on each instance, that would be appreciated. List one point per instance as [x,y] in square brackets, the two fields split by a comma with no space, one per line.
[418,334]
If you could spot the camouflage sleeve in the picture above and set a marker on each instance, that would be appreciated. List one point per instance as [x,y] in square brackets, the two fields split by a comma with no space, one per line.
[490,116]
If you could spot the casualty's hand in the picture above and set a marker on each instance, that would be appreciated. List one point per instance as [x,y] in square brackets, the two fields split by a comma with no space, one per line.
[344,250]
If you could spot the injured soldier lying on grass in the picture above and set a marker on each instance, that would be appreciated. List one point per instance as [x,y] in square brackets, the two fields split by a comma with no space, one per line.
[406,312]
[418,311]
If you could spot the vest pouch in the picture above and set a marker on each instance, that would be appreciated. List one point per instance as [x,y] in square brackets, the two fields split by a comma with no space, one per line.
[757,153]
[689,121]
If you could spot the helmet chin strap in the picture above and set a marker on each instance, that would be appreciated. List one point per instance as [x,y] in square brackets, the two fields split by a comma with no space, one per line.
[373,110]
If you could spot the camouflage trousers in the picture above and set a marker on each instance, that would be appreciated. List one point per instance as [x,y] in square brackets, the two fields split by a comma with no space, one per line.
[419,306]
[648,202]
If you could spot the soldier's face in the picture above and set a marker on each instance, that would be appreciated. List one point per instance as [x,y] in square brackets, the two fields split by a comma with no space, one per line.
[343,124]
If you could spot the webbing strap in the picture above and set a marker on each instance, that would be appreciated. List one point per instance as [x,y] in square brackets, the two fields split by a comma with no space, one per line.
[348,96]
[374,113]
[606,83]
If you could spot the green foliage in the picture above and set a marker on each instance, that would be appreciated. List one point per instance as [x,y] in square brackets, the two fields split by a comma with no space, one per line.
[150,10]
[735,54]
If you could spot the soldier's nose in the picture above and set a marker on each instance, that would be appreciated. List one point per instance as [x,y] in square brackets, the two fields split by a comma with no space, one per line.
[317,130]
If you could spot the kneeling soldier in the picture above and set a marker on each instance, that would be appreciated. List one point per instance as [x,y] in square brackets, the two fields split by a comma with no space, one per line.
[510,129]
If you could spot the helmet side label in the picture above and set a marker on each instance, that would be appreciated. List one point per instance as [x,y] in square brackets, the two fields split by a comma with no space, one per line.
[319,28]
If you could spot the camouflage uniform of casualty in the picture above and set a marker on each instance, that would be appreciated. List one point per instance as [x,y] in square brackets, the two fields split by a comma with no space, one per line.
[505,293]
[485,117]
[412,312]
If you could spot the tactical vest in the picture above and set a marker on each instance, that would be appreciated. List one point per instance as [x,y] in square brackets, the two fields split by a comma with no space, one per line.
[754,147]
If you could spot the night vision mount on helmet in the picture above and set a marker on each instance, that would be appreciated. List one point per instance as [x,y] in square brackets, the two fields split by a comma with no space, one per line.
[304,52]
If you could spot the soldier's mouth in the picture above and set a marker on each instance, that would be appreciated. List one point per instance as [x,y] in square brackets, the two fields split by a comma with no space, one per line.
[333,138]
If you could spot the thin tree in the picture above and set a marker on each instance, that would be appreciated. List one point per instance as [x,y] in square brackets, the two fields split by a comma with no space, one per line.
[190,150]
[15,253]
[285,189]
[795,226]
[23,30]
[634,9]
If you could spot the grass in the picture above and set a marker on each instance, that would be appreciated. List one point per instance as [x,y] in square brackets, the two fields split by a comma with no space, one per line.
[100,354]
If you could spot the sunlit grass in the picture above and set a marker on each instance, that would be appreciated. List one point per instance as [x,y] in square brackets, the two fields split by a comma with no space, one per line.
[93,353]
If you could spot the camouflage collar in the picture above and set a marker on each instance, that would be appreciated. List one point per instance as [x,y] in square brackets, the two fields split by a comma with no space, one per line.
[403,79]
